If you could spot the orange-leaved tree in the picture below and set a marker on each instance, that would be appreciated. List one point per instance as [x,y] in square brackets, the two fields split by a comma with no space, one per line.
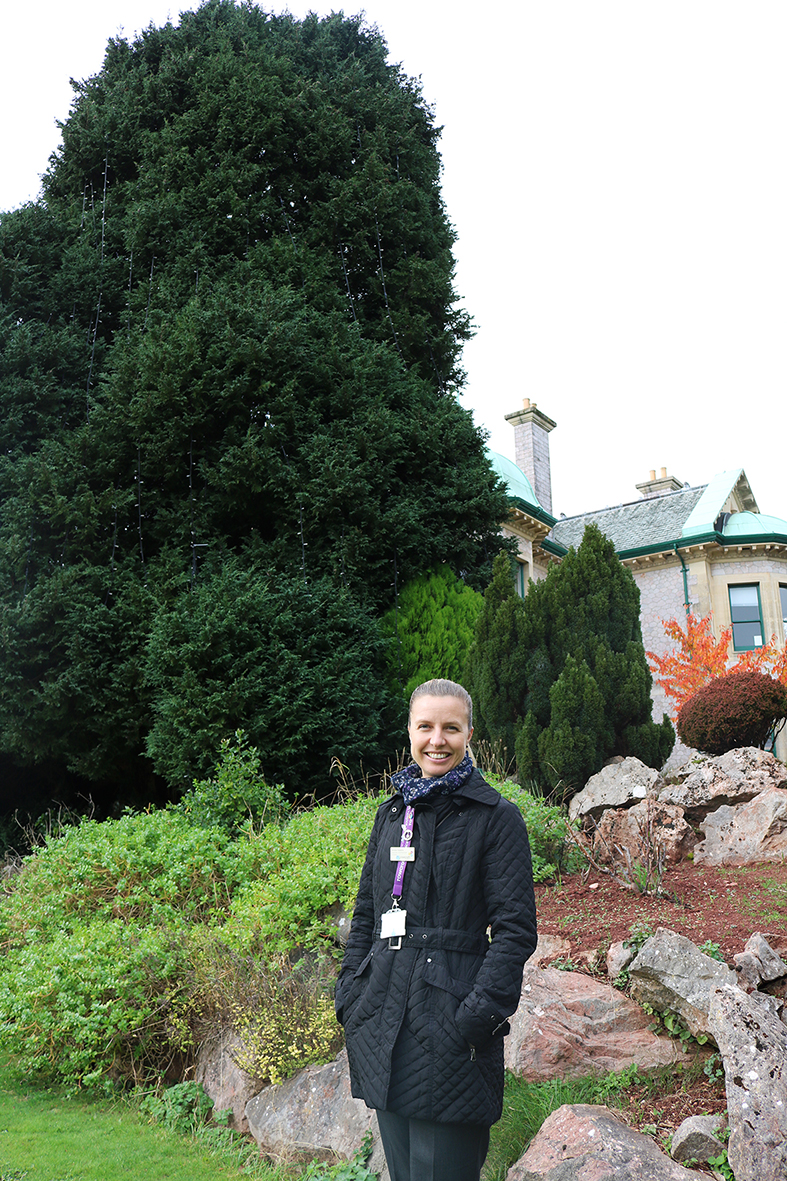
[698,657]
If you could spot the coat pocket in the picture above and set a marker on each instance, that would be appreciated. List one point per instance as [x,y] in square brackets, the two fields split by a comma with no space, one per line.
[436,973]
[349,987]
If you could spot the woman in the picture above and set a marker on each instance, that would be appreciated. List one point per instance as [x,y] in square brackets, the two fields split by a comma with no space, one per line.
[424,992]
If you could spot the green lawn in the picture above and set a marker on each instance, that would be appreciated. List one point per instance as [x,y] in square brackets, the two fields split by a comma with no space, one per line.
[45,1137]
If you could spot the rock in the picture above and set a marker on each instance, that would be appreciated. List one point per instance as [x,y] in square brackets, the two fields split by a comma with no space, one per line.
[753,1045]
[549,947]
[731,778]
[224,1081]
[672,975]
[619,957]
[754,831]
[313,1116]
[568,1025]
[341,918]
[582,1142]
[681,762]
[615,786]
[645,829]
[696,1138]
[758,962]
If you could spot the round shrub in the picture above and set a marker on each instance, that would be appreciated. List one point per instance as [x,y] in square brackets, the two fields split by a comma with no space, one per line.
[739,709]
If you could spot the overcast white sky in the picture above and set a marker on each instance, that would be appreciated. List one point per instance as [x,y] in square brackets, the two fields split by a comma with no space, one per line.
[617,174]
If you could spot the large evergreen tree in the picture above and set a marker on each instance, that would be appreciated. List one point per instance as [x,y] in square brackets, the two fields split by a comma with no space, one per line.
[228,338]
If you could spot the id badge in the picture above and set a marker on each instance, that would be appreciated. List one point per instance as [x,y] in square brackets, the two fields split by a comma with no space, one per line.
[392,924]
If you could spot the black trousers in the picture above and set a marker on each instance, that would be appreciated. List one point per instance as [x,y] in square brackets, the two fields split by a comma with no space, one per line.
[421,1150]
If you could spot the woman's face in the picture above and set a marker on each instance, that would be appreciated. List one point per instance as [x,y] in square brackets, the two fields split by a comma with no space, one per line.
[439,733]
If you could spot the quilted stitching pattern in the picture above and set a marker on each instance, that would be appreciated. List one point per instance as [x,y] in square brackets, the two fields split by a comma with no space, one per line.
[425,1024]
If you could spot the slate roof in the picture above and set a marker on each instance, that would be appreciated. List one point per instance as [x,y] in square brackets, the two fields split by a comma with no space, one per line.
[658,520]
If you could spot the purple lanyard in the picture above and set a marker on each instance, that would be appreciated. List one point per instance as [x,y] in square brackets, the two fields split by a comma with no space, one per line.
[406,841]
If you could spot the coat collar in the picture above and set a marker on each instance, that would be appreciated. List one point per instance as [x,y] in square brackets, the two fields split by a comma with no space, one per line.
[476,788]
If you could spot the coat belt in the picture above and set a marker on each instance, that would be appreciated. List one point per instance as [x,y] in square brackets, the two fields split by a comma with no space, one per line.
[445,939]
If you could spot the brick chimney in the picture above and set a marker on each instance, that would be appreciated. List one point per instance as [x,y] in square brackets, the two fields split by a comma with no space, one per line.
[531,449]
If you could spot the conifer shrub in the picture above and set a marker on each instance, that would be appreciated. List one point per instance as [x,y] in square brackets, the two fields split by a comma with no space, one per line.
[430,630]
[739,709]
[494,671]
[560,678]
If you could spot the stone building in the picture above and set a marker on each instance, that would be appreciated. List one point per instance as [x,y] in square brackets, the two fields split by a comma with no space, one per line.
[690,549]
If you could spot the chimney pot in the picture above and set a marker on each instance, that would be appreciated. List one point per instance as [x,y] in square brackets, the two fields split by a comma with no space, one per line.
[663,472]
[653,473]
[526,403]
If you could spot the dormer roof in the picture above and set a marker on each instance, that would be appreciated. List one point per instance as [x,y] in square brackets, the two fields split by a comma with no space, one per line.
[729,492]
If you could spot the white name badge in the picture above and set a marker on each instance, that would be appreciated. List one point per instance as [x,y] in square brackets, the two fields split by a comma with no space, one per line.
[402,853]
[392,924]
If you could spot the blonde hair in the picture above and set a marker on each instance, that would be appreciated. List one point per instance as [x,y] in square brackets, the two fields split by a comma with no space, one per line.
[443,688]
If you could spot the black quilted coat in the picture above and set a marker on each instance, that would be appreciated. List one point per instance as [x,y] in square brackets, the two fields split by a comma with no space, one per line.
[425,1024]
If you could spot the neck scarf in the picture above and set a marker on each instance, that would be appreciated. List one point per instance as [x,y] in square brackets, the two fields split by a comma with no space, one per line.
[414,786]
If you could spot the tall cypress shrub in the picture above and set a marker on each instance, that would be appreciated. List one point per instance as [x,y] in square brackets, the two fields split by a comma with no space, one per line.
[494,673]
[587,693]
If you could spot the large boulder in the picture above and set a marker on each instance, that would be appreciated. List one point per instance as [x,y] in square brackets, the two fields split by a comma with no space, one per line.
[226,1083]
[672,975]
[313,1116]
[754,831]
[568,1025]
[731,778]
[617,785]
[583,1142]
[648,828]
[753,1045]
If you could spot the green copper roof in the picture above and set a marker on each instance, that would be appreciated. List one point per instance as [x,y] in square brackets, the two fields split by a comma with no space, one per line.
[516,480]
[711,503]
[750,524]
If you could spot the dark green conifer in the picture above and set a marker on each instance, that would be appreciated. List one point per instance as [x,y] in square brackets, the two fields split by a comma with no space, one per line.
[228,337]
[495,673]
[588,683]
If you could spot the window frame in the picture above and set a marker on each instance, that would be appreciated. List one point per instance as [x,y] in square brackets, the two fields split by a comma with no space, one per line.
[733,624]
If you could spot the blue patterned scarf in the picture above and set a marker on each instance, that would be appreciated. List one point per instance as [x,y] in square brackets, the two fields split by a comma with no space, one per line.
[414,786]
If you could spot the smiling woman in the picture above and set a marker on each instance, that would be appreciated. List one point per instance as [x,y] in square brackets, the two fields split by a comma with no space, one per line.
[423,993]
[440,728]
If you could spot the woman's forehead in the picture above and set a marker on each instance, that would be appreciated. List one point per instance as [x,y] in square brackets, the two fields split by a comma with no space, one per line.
[426,708]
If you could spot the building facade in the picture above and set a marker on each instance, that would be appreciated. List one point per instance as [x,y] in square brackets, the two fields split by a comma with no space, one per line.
[699,550]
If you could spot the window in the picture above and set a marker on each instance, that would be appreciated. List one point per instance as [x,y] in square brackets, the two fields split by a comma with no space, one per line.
[783,597]
[746,617]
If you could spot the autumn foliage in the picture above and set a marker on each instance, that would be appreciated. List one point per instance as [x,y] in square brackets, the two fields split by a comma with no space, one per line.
[742,708]
[698,658]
